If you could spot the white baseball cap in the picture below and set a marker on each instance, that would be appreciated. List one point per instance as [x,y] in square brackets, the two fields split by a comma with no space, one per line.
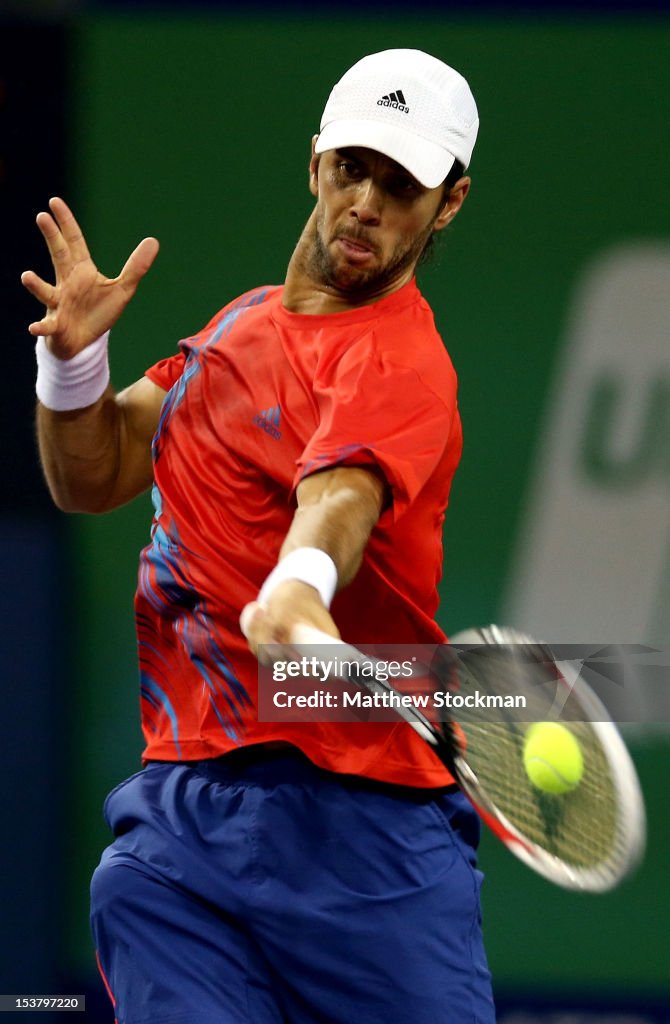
[407,105]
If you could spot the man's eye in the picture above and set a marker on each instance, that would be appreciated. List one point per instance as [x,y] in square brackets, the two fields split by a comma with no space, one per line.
[348,168]
[404,186]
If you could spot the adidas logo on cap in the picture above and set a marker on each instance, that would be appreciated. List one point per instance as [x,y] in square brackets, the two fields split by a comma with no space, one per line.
[395,100]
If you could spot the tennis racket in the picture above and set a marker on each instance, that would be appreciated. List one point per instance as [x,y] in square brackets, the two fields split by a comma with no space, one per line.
[586,839]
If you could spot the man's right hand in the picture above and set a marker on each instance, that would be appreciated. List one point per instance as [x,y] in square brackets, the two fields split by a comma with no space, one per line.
[83,303]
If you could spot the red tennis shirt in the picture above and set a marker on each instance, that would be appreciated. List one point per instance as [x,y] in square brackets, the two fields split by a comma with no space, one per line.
[256,401]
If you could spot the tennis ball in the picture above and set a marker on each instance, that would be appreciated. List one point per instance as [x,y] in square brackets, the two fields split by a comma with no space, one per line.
[552,758]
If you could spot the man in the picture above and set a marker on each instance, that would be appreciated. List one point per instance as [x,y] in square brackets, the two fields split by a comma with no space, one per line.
[301,450]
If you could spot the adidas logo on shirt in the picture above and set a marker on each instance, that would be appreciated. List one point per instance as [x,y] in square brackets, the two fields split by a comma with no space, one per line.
[395,100]
[269,421]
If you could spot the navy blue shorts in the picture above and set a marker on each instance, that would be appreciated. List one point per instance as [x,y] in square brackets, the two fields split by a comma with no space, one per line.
[272,892]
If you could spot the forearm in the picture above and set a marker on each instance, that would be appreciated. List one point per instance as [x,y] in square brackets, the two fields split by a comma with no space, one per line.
[80,453]
[337,511]
[97,455]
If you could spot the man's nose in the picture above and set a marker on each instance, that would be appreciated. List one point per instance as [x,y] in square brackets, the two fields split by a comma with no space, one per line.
[368,202]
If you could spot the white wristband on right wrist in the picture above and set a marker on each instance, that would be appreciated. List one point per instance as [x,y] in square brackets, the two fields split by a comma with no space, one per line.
[309,565]
[66,384]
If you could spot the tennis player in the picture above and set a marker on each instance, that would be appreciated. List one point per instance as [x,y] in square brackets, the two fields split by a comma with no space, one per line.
[300,450]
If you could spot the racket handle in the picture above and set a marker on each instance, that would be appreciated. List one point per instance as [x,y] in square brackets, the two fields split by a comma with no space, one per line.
[300,634]
[312,637]
[304,634]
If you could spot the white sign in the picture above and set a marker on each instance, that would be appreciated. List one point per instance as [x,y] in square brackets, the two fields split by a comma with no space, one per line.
[592,559]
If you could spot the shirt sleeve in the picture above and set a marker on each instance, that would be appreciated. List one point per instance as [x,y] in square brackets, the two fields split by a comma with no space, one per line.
[166,372]
[380,414]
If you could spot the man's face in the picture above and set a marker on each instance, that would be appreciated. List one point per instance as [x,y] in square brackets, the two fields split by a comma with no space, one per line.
[372,221]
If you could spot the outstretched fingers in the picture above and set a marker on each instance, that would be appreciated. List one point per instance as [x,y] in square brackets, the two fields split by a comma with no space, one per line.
[70,230]
[138,263]
[63,236]
[56,244]
[83,303]
[45,327]
[42,290]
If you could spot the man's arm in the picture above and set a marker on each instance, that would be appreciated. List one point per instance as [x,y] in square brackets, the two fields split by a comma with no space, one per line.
[337,511]
[98,458]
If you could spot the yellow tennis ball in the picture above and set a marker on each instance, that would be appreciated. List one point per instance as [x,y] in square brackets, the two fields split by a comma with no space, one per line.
[552,758]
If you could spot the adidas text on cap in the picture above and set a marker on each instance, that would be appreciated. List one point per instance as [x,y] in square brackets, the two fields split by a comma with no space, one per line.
[407,105]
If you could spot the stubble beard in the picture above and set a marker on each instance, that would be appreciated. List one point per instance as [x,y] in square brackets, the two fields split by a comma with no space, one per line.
[357,282]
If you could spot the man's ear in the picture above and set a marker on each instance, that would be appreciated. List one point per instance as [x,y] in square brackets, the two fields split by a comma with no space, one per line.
[454,201]
[314,169]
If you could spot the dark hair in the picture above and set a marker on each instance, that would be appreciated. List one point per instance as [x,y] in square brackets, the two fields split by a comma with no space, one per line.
[455,174]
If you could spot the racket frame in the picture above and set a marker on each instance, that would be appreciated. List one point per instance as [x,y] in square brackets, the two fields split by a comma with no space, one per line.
[630,814]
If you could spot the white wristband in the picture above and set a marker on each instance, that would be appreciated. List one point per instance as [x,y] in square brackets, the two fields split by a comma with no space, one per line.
[309,565]
[67,384]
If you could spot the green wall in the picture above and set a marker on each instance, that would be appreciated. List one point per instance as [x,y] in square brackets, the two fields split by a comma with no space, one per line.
[198,131]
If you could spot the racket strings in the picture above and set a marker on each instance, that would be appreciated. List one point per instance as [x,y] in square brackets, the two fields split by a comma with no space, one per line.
[581,828]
